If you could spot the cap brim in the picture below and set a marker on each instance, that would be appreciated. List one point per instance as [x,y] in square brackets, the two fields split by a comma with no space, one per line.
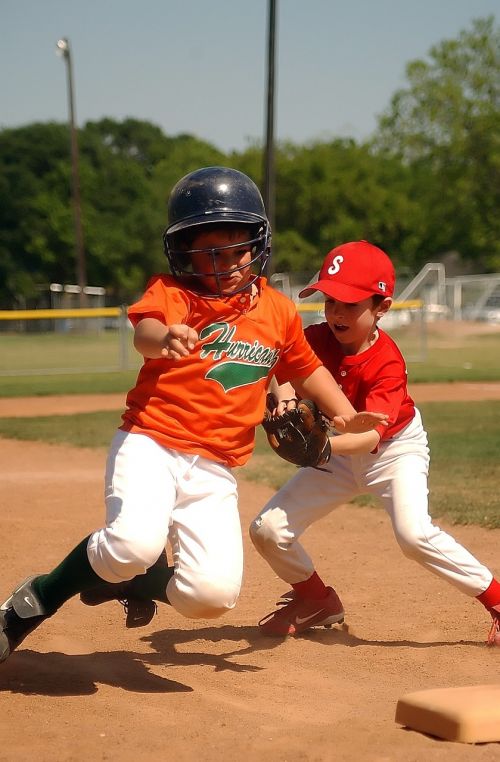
[338,291]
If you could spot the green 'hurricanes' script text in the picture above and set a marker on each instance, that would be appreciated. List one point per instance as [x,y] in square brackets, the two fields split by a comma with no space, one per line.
[223,345]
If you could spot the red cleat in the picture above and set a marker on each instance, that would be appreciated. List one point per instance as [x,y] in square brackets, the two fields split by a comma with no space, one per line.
[296,615]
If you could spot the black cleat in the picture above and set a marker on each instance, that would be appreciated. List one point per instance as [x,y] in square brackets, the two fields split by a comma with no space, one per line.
[20,614]
[139,611]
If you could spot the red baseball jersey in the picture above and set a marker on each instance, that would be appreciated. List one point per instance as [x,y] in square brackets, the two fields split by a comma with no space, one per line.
[210,402]
[374,380]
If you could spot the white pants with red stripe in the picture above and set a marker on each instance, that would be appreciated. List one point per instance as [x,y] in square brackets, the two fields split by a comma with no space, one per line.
[397,475]
[153,494]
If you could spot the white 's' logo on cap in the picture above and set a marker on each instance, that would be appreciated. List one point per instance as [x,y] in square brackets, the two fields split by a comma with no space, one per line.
[335,266]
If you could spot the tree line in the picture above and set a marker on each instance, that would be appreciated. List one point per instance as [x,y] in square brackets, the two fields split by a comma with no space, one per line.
[426,183]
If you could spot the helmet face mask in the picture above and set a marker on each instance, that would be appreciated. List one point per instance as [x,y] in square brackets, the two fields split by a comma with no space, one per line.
[181,262]
[216,198]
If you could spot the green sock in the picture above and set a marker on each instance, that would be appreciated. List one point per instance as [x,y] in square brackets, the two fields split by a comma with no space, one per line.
[72,576]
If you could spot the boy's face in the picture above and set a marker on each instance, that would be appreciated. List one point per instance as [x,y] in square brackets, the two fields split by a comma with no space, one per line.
[353,324]
[225,264]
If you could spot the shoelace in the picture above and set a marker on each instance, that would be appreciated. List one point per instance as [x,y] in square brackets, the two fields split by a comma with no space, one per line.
[285,600]
[494,631]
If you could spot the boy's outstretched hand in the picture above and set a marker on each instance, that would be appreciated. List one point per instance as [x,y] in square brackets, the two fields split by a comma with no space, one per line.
[358,423]
[179,342]
[153,339]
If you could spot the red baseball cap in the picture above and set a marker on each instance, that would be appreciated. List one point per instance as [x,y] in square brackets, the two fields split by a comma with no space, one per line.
[354,271]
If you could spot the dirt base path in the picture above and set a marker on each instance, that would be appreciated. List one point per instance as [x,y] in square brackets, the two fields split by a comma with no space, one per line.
[82,687]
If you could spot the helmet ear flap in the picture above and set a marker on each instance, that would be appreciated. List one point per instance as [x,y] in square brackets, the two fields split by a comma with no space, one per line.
[182,261]
[176,247]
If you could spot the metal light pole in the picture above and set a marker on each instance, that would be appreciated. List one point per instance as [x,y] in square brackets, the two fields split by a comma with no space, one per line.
[269,171]
[63,49]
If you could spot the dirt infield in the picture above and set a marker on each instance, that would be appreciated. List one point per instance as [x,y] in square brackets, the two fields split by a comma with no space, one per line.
[83,687]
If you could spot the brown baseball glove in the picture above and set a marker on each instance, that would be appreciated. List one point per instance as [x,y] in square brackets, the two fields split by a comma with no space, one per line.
[300,435]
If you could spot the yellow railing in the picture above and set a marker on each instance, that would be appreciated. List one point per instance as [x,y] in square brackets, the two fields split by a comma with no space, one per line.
[91,312]
[410,304]
[96,312]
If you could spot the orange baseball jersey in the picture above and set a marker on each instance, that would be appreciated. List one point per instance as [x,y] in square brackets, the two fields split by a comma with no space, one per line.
[374,380]
[210,402]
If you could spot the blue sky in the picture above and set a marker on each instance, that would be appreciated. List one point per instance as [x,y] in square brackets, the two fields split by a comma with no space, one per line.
[199,66]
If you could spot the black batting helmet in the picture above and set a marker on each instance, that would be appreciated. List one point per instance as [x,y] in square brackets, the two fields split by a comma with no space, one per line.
[215,196]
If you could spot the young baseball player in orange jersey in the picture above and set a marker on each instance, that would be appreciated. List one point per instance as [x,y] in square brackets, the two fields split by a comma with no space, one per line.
[212,334]
[357,280]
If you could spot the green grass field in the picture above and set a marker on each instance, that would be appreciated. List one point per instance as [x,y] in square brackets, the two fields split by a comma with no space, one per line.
[465,467]
[67,383]
[452,353]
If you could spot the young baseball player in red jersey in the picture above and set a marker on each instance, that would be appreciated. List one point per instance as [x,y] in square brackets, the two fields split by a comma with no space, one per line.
[357,280]
[212,334]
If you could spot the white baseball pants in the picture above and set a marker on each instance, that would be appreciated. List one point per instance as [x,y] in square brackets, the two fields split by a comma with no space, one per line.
[397,475]
[153,494]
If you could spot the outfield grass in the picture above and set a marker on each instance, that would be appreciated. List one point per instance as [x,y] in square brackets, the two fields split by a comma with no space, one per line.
[453,356]
[78,383]
[465,467]
[452,353]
